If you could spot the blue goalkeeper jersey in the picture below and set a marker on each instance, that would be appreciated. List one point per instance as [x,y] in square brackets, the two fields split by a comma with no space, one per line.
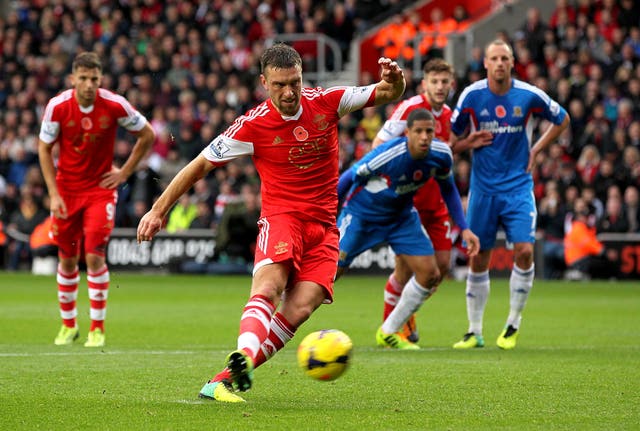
[501,167]
[386,179]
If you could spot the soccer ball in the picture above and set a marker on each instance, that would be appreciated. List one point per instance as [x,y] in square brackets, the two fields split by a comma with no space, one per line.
[324,355]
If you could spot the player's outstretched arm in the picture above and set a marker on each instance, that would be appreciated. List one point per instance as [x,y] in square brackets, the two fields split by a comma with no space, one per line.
[392,82]
[151,223]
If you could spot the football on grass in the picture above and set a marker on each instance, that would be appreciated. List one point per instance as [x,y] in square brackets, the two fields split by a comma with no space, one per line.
[325,355]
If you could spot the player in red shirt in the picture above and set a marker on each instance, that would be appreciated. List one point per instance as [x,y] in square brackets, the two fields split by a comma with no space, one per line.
[292,138]
[83,122]
[437,83]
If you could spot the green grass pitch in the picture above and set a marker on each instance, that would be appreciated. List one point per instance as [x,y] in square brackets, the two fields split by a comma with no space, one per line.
[576,366]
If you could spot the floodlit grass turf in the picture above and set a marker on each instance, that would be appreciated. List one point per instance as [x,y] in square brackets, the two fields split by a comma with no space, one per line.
[576,366]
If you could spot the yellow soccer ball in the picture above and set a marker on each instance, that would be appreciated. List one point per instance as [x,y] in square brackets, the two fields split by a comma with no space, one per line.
[325,355]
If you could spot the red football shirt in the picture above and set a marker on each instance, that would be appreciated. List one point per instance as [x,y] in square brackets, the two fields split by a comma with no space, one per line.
[296,157]
[428,197]
[86,135]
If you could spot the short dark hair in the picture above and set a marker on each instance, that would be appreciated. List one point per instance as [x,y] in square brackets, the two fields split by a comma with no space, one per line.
[417,115]
[88,60]
[437,65]
[499,42]
[280,56]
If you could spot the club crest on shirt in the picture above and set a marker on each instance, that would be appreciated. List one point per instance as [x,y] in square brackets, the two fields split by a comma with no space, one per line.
[300,133]
[517,111]
[500,111]
[104,121]
[281,247]
[321,122]
[86,123]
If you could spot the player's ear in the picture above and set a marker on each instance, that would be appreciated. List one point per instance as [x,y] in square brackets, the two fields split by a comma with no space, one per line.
[263,81]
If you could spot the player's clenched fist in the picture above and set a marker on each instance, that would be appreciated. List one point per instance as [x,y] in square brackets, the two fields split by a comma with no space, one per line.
[391,71]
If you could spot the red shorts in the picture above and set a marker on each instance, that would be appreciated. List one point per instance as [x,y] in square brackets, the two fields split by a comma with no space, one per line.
[90,220]
[434,215]
[310,249]
[438,227]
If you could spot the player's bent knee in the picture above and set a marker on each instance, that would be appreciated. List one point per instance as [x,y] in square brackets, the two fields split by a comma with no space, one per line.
[95,262]
[523,255]
[429,279]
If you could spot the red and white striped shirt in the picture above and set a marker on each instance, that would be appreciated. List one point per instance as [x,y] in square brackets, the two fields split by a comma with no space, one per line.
[86,135]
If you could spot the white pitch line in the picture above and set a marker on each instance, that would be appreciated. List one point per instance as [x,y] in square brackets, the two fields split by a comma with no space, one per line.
[107,352]
[191,402]
[362,349]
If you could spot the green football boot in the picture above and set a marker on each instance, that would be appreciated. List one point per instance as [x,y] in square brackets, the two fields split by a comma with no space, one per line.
[469,341]
[66,336]
[394,341]
[220,391]
[507,339]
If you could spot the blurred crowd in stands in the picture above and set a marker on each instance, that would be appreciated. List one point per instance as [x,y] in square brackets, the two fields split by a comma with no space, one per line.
[191,68]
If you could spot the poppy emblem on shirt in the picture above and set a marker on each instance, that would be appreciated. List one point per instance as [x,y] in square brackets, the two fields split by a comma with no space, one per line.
[501,112]
[301,133]
[86,123]
[417,175]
